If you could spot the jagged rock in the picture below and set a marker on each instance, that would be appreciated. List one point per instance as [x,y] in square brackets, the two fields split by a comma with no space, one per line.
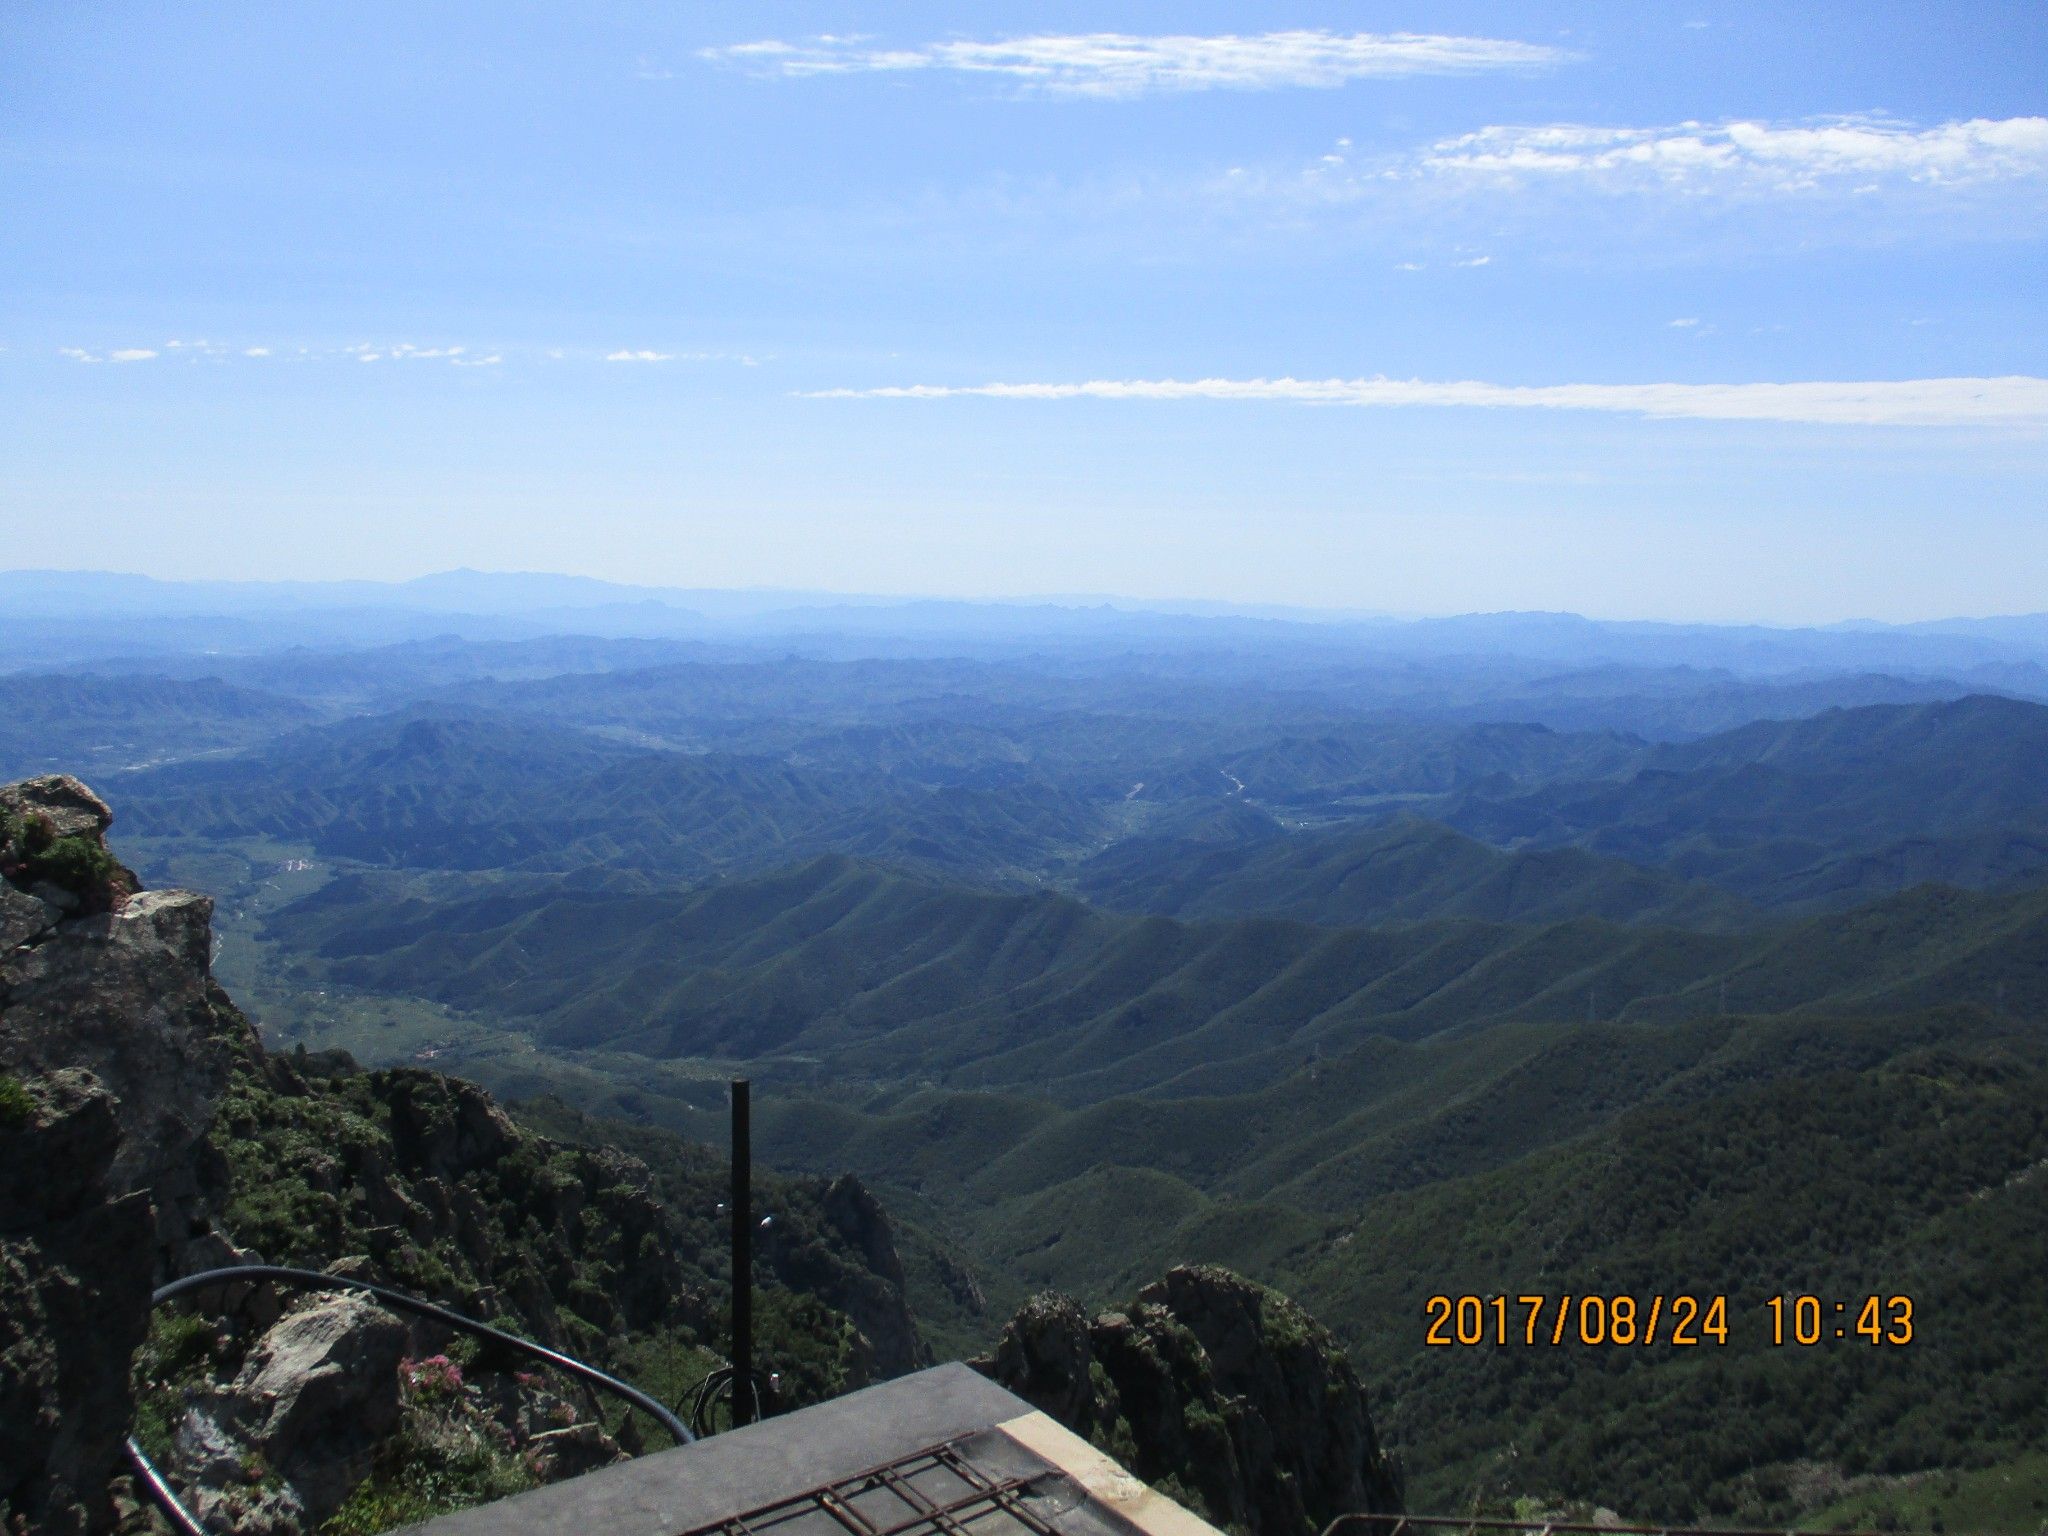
[110,1025]
[74,1296]
[1043,1356]
[24,918]
[1220,1389]
[126,996]
[556,1454]
[872,1298]
[442,1127]
[71,809]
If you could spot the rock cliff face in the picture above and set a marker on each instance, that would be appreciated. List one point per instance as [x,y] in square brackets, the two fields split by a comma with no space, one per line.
[145,1134]
[74,1285]
[114,1052]
[1218,1390]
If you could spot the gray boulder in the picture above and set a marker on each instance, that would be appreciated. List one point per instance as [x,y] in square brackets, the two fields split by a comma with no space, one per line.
[282,1446]
[316,1395]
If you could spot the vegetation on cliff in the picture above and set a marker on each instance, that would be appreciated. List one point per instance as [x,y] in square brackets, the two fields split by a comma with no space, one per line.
[1217,1390]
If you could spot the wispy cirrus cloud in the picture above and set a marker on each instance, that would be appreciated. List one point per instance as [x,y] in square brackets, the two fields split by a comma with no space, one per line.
[1116,64]
[402,351]
[384,352]
[648,355]
[1684,192]
[116,355]
[1775,157]
[2017,399]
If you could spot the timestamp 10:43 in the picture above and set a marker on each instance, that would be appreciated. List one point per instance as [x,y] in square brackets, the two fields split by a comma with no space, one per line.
[1810,1319]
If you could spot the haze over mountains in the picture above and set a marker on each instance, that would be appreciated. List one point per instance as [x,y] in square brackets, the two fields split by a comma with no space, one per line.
[1374,958]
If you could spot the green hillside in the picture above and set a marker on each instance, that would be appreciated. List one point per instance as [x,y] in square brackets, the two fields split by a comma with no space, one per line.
[1918,1176]
[1830,809]
[55,722]
[1411,871]
[458,791]
[839,968]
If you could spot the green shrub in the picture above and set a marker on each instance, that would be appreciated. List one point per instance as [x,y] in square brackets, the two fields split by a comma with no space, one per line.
[435,1465]
[177,1352]
[78,864]
[17,1104]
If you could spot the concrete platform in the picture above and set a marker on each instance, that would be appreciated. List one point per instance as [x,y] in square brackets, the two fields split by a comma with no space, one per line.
[944,1452]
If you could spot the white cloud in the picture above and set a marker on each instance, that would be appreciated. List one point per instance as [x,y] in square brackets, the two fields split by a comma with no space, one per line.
[132,354]
[1119,64]
[1685,324]
[1477,261]
[1895,403]
[641,356]
[1778,157]
[476,362]
[255,351]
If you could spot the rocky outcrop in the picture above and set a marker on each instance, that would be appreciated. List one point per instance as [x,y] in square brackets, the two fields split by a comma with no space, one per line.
[74,1292]
[872,1294]
[110,1064]
[1220,1391]
[103,977]
[285,1442]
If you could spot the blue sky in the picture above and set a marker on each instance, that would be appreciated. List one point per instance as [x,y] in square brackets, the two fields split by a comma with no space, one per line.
[1422,308]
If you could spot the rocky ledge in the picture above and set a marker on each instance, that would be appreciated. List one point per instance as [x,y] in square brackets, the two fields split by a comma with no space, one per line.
[1215,1389]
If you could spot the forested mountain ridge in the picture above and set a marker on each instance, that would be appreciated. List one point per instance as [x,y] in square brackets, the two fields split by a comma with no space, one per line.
[1406,871]
[54,721]
[1158,815]
[1821,809]
[426,788]
[866,971]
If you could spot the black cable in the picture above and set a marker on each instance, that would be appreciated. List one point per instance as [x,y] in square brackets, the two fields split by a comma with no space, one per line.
[721,1386]
[182,1518]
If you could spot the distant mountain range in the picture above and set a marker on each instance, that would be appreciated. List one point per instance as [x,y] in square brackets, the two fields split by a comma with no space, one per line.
[71,615]
[1137,814]
[1503,954]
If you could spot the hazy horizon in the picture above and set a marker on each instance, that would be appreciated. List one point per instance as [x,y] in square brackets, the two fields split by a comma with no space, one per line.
[1178,605]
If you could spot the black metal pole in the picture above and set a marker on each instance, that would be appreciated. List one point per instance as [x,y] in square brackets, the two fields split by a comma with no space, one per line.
[742,1253]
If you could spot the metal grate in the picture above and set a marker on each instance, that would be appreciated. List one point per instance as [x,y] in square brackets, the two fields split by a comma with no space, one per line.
[935,1492]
